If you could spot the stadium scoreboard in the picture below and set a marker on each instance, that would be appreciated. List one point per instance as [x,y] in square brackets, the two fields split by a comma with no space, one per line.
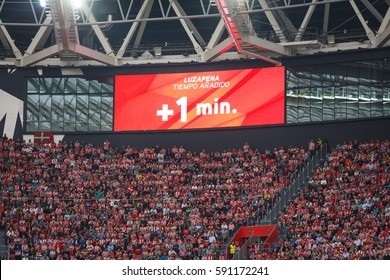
[195,100]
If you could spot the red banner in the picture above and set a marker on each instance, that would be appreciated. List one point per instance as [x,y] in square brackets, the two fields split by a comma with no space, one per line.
[228,98]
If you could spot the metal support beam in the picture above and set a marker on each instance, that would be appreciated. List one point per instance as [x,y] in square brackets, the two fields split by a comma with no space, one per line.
[262,57]
[216,35]
[372,9]
[272,20]
[221,48]
[172,18]
[10,41]
[383,38]
[99,33]
[385,22]
[40,38]
[177,8]
[162,59]
[3,38]
[4,41]
[335,48]
[368,30]
[305,21]
[230,56]
[188,21]
[95,55]
[230,25]
[267,45]
[39,56]
[310,43]
[2,5]
[293,6]
[132,30]
[325,25]
[62,28]
[141,29]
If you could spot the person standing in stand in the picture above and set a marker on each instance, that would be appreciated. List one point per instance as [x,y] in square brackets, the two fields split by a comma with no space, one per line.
[312,147]
[232,249]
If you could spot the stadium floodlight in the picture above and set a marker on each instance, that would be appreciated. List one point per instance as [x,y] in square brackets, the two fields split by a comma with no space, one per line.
[76,4]
[43,3]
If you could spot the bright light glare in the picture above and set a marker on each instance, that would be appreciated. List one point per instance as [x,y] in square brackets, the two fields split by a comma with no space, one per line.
[76,4]
[43,3]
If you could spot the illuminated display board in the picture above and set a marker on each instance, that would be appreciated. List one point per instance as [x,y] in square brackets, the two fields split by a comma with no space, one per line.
[229,98]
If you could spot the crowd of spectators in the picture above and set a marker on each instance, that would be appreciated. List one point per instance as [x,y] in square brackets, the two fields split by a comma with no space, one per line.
[79,201]
[345,211]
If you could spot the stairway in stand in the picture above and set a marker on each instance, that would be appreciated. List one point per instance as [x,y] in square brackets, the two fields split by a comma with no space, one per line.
[3,246]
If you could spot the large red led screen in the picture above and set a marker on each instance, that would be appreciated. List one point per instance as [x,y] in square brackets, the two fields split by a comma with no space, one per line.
[230,98]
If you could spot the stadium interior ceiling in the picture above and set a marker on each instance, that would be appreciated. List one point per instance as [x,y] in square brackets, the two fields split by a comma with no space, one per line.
[139,32]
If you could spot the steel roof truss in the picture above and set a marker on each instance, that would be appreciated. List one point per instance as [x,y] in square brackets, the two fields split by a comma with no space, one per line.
[383,38]
[325,25]
[40,38]
[61,23]
[33,11]
[95,55]
[305,21]
[39,56]
[385,22]
[120,9]
[142,27]
[271,18]
[262,57]
[132,29]
[4,41]
[128,10]
[267,45]
[99,33]
[4,33]
[221,48]
[180,12]
[363,22]
[216,35]
[372,9]
[2,5]
[188,21]
[165,14]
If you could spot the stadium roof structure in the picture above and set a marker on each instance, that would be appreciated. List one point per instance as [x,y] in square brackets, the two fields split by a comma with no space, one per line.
[137,32]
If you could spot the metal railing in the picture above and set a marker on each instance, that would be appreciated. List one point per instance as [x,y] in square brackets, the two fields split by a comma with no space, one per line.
[262,214]
[298,184]
[245,254]
[4,252]
[278,206]
[242,252]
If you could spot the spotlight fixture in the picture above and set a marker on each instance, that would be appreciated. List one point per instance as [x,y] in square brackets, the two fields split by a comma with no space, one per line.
[76,4]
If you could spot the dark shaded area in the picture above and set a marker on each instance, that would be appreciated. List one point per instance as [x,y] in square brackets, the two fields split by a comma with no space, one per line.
[18,129]
[12,80]
[275,136]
